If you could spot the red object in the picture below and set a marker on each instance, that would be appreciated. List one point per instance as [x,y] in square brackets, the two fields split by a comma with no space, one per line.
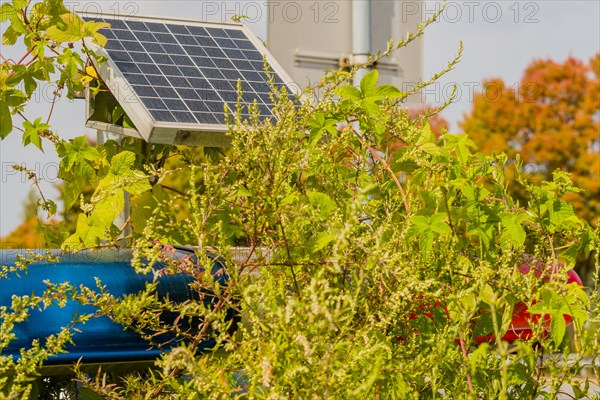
[520,326]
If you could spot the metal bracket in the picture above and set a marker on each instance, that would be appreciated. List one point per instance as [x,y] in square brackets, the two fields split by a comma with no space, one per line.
[331,60]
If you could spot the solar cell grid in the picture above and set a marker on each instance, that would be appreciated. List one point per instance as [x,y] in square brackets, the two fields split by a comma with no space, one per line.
[187,73]
[136,26]
[132,46]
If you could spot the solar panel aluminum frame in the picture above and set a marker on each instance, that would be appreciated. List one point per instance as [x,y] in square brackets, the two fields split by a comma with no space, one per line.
[147,128]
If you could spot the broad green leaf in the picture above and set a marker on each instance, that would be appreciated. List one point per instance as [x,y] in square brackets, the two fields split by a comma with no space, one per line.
[488,295]
[431,149]
[438,225]
[76,152]
[426,242]
[485,323]
[88,233]
[91,28]
[127,122]
[30,84]
[348,92]
[558,327]
[71,194]
[424,227]
[71,32]
[369,82]
[122,162]
[108,208]
[320,125]
[72,62]
[426,135]
[6,12]
[9,37]
[387,91]
[137,183]
[560,212]
[32,132]
[117,113]
[539,309]
[372,108]
[13,97]
[242,191]
[322,202]
[460,144]
[570,255]
[17,24]
[322,240]
[513,233]
[5,120]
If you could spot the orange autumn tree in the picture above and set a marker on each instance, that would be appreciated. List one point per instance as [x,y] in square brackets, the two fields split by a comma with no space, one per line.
[28,234]
[552,119]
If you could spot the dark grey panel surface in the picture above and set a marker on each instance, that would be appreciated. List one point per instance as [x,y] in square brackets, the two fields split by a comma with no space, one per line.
[187,73]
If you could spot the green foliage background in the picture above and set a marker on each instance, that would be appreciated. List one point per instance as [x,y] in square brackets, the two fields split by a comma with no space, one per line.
[377,255]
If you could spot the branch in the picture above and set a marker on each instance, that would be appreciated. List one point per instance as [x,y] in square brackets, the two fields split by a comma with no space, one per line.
[387,167]
[52,106]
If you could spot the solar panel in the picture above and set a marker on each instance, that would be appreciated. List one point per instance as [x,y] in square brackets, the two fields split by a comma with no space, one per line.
[173,77]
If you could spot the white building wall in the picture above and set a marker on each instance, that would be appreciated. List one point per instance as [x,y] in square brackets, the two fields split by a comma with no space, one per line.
[308,37]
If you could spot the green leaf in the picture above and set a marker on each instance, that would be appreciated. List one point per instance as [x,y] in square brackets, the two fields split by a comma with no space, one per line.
[88,232]
[369,82]
[558,327]
[91,29]
[424,227]
[139,183]
[461,144]
[9,37]
[6,12]
[30,84]
[387,92]
[348,92]
[426,135]
[488,295]
[322,240]
[71,194]
[122,163]
[127,122]
[322,202]
[5,120]
[480,352]
[426,242]
[513,233]
[431,149]
[560,212]
[484,325]
[108,208]
[570,255]
[14,97]
[320,125]
[32,132]
[17,24]
[71,32]
[117,113]
[71,61]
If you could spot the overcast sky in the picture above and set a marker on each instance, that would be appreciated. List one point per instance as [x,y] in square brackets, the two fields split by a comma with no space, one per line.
[500,38]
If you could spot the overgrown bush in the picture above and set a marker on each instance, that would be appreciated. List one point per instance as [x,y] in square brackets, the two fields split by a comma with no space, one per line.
[377,257]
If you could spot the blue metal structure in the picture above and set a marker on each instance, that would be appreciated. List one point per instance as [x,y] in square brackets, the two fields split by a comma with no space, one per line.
[99,340]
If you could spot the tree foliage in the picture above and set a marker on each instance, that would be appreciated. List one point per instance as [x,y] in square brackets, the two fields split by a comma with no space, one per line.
[371,269]
[28,234]
[551,119]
